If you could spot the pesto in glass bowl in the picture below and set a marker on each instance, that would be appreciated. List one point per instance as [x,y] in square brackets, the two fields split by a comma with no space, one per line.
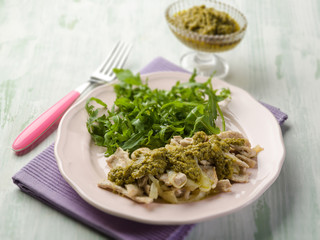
[208,27]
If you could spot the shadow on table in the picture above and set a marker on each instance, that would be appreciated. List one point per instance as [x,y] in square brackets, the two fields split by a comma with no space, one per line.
[272,210]
[284,128]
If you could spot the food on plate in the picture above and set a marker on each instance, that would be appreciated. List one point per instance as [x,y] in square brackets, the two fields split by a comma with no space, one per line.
[206,20]
[184,170]
[164,145]
[144,117]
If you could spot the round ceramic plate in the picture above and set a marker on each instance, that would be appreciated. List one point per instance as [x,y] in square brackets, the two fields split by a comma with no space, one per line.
[82,164]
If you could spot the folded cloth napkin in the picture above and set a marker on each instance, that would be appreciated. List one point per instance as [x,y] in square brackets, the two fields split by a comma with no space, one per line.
[41,179]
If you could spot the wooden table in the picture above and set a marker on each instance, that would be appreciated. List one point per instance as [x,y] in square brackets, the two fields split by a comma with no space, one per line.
[49,47]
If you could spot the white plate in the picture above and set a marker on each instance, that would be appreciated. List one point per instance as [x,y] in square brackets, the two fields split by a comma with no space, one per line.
[82,164]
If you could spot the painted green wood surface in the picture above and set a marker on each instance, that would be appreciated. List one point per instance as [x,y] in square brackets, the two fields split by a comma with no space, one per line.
[49,47]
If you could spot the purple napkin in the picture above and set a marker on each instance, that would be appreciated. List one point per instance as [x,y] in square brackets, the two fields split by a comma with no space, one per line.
[41,179]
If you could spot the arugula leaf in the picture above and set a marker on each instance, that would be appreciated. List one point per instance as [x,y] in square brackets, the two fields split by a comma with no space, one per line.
[142,117]
[127,77]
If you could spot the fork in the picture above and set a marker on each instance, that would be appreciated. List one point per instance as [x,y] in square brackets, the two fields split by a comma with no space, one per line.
[104,74]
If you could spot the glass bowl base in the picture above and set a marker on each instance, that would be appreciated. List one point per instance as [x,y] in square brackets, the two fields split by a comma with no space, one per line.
[206,64]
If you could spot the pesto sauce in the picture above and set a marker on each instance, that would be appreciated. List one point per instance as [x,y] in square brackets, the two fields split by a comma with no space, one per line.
[180,159]
[154,163]
[234,141]
[207,21]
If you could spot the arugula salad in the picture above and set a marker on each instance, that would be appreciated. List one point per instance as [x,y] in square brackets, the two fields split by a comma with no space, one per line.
[144,117]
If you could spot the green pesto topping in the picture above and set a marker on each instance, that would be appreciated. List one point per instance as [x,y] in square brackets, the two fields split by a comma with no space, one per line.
[235,141]
[199,137]
[180,159]
[219,143]
[121,176]
[154,163]
[208,21]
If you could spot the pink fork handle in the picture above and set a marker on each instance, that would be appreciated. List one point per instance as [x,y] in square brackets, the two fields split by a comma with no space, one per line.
[39,126]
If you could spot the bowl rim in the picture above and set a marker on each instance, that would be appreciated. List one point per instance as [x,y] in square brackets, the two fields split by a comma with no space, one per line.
[218,37]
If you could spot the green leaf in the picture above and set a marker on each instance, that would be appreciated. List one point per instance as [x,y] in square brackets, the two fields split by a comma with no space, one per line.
[127,77]
[134,141]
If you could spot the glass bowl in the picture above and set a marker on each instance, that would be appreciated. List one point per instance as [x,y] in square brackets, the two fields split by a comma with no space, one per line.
[204,59]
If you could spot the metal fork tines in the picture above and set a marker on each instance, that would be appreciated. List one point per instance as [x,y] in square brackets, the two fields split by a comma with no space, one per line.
[104,73]
[115,59]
